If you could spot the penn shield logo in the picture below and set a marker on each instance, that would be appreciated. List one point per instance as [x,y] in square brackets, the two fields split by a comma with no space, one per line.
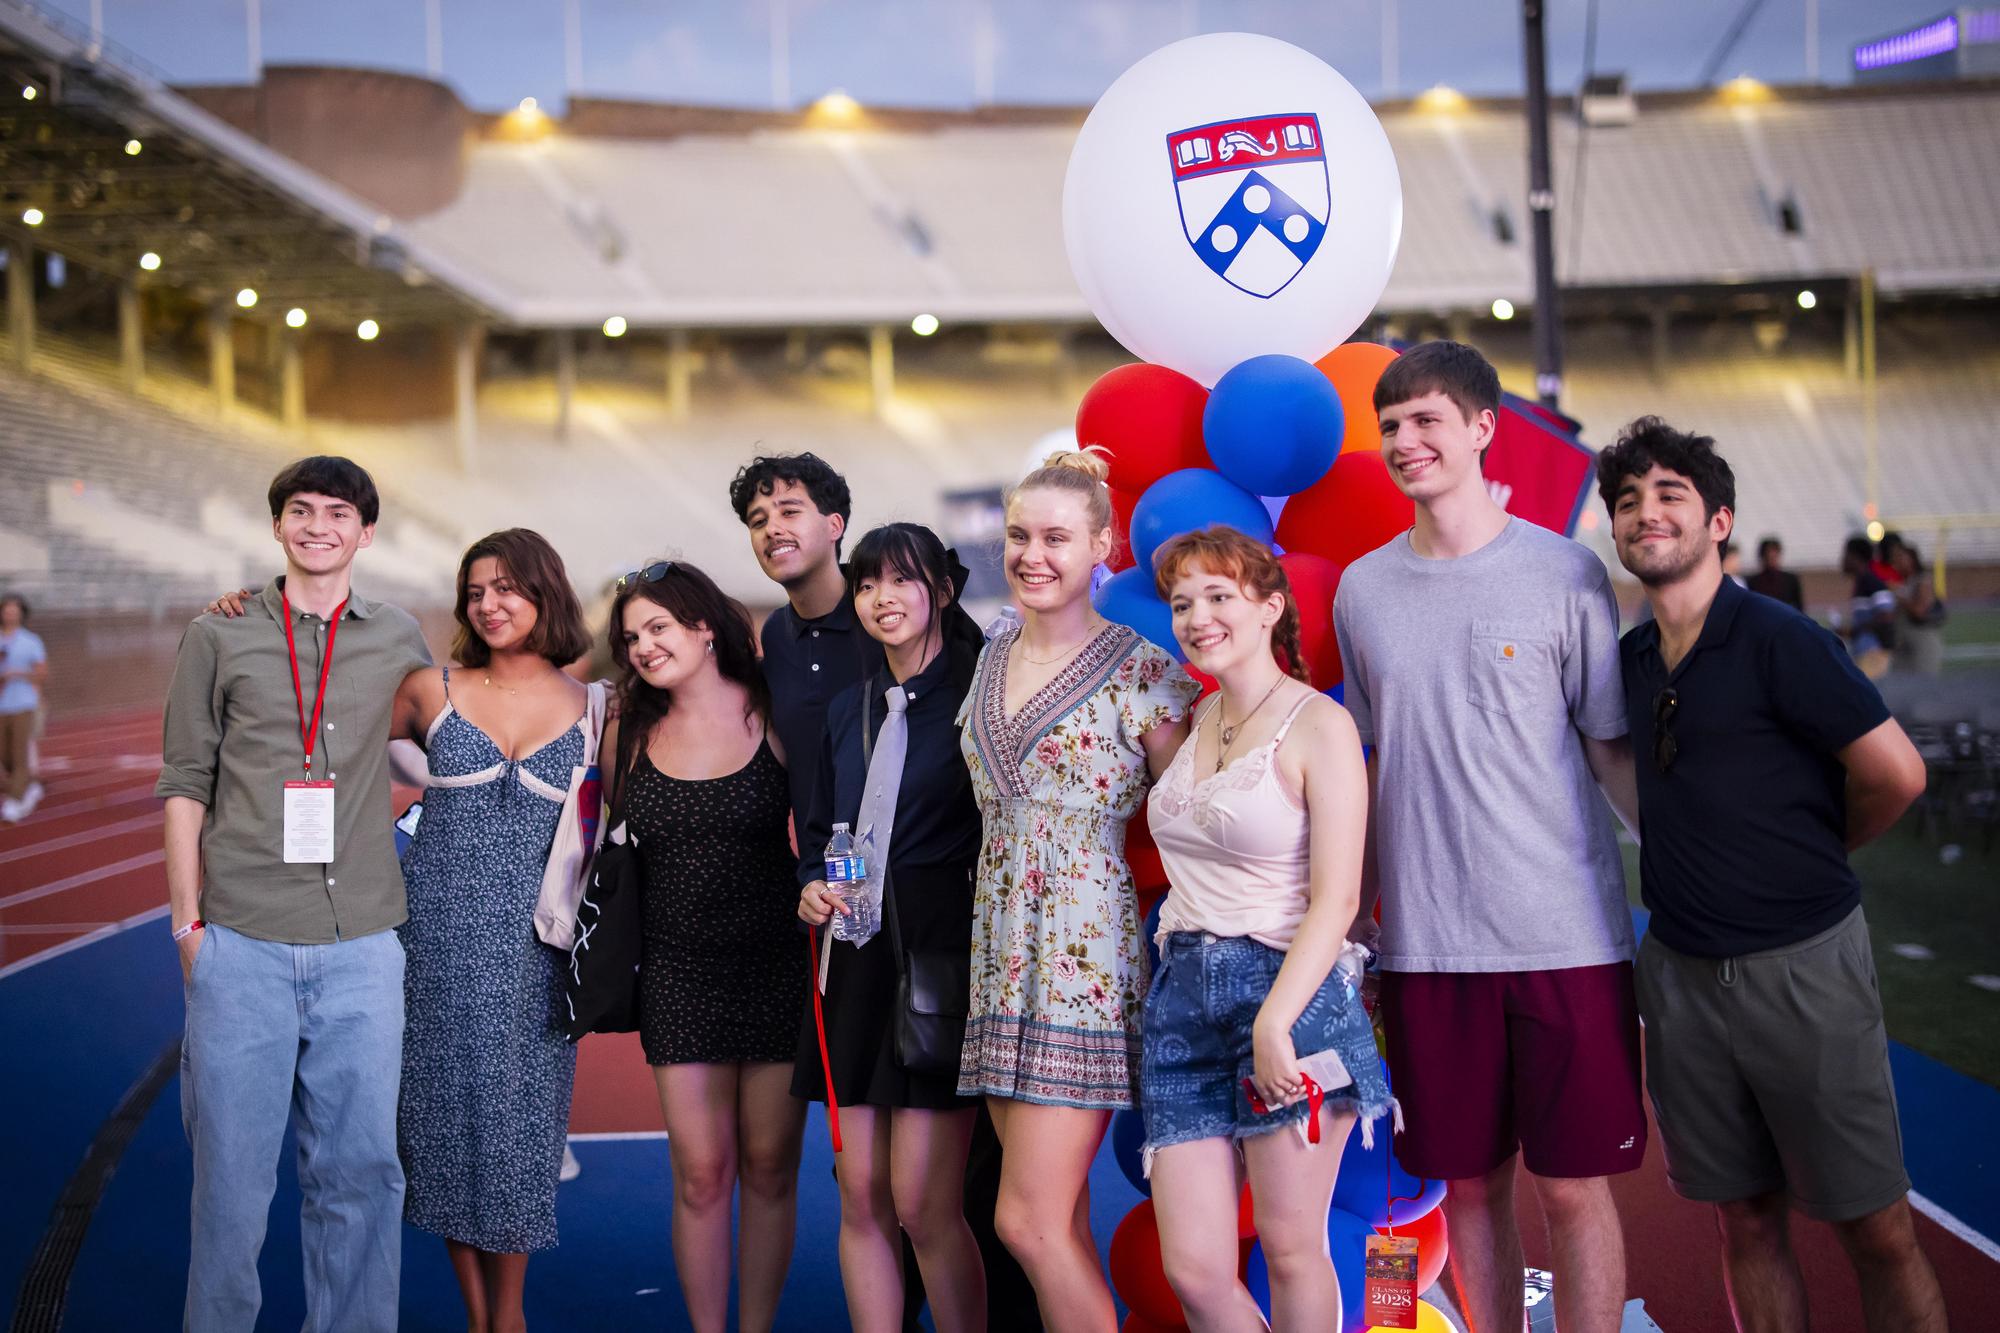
[1253,196]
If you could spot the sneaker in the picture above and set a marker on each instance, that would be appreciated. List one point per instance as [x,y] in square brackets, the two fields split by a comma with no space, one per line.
[30,799]
[571,1168]
[11,811]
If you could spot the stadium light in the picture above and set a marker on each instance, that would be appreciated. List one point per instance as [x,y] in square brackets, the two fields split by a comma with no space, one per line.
[295,318]
[133,148]
[1807,300]
[837,107]
[615,327]
[1875,529]
[1440,99]
[1743,90]
[924,325]
[367,330]
[150,262]
[1502,308]
[247,297]
[32,216]
[30,93]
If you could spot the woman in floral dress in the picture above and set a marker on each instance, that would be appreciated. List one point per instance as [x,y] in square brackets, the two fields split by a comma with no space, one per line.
[1069,719]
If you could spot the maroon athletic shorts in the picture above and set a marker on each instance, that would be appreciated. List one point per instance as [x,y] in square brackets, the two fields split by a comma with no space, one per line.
[1485,1062]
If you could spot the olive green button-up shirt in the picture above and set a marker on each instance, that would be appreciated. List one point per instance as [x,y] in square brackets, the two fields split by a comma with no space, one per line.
[232,741]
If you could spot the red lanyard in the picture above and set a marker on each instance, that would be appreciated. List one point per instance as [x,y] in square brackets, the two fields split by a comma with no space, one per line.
[309,731]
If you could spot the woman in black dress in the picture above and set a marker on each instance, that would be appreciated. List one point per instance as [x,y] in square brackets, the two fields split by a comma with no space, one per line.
[705,795]
[905,1132]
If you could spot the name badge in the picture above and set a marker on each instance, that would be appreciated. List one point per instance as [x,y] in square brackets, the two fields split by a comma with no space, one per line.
[1389,1282]
[308,823]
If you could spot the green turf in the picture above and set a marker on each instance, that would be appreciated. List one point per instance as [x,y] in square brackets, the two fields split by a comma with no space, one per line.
[1912,897]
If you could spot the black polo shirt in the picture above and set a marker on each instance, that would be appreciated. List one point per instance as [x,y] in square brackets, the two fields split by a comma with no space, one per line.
[1744,840]
[806,663]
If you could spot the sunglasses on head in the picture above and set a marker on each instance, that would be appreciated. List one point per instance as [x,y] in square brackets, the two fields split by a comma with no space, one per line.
[652,573]
[1665,748]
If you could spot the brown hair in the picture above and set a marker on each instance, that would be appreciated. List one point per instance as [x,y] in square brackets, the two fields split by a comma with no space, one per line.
[1245,561]
[537,572]
[1079,471]
[1458,372]
[692,598]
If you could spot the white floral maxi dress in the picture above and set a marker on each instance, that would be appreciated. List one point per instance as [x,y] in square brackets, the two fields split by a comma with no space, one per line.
[1058,968]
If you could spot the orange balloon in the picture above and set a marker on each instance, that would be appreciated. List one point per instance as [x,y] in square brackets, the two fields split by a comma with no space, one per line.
[1354,368]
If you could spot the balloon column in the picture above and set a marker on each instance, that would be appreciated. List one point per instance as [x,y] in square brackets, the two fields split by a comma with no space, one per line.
[1231,213]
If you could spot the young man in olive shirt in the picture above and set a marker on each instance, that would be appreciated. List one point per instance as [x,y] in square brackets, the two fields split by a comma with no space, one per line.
[284,891]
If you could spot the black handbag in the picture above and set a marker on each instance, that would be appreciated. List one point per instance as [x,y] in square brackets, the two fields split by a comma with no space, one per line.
[601,984]
[933,986]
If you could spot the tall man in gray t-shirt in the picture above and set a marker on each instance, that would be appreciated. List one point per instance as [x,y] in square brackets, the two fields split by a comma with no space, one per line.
[1481,657]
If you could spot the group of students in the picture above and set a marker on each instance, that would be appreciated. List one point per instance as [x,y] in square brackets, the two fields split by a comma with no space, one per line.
[429,1079]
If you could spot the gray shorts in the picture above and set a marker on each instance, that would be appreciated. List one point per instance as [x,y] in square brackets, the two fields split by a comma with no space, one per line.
[1770,1072]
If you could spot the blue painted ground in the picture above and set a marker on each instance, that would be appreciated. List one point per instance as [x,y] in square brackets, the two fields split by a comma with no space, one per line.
[84,1026]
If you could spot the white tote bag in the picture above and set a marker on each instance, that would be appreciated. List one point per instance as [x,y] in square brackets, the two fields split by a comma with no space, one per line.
[578,833]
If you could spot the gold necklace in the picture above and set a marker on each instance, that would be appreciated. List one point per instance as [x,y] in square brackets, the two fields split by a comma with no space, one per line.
[1049,661]
[1227,735]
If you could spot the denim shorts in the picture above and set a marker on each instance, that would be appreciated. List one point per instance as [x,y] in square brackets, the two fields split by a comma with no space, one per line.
[1196,1050]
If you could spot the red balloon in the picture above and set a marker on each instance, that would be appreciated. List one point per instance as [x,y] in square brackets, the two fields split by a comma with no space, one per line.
[1246,1215]
[1433,1247]
[1138,1323]
[1348,513]
[1137,1271]
[1314,581]
[1121,529]
[1148,419]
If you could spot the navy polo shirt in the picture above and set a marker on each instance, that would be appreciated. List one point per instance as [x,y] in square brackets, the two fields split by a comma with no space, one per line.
[1743,842]
[806,663]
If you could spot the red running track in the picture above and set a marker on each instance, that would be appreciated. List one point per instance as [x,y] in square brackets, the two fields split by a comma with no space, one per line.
[89,861]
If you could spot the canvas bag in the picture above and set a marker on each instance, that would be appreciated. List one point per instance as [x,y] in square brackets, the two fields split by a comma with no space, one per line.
[578,834]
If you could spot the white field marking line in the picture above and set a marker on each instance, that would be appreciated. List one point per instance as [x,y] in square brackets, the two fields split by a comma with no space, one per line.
[78,839]
[54,928]
[70,946]
[1985,981]
[1916,953]
[1955,1226]
[622,1136]
[77,881]
[131,795]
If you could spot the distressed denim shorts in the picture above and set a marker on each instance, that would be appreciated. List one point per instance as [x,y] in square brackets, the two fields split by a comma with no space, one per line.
[1196,1050]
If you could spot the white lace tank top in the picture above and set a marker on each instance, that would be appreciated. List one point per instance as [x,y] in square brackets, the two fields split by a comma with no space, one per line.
[1234,844]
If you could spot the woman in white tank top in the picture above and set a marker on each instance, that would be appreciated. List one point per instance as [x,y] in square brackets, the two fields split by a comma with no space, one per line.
[1250,1028]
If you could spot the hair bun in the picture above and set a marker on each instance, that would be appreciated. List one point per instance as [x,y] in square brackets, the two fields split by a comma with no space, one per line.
[1090,461]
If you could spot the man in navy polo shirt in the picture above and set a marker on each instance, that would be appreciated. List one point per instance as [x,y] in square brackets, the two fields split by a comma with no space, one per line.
[1764,757]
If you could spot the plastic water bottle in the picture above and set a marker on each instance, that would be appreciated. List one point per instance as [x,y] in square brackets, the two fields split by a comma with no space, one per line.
[846,871]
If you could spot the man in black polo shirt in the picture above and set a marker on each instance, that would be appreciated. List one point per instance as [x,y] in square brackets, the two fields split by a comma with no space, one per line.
[796,508]
[1764,757]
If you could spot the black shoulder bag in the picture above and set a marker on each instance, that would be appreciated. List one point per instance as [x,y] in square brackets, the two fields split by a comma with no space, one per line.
[601,984]
[933,986]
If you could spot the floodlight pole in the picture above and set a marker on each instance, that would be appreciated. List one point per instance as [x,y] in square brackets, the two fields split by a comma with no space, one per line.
[1542,207]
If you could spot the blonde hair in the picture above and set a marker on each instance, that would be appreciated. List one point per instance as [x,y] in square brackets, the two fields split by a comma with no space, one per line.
[1079,471]
[1249,564]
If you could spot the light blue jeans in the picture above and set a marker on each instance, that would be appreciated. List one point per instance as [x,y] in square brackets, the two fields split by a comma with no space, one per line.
[313,1031]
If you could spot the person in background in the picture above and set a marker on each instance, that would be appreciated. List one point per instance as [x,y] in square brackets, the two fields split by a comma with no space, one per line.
[1768,759]
[283,892]
[1732,564]
[1069,720]
[1481,657]
[1772,578]
[1920,613]
[905,1132]
[704,794]
[1259,820]
[1871,614]
[24,666]
[483,1116]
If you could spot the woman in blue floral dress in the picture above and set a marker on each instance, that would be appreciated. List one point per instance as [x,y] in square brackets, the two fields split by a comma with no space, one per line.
[1069,719]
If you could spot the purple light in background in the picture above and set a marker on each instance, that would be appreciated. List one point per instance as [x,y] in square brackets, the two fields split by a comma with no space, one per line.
[1932,39]
[1982,25]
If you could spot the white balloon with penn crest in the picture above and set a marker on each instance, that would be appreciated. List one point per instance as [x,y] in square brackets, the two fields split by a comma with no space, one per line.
[1231,196]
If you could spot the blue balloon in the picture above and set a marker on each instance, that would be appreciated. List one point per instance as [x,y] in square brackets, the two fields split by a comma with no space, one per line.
[1370,1176]
[1338,693]
[1273,425]
[1193,498]
[1128,1139]
[1347,1240]
[1149,930]
[1274,505]
[1127,598]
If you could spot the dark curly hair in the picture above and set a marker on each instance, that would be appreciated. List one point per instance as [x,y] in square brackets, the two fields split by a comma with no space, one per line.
[760,476]
[692,598]
[1650,442]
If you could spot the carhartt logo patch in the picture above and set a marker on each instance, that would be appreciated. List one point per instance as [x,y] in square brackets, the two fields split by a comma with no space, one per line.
[1506,653]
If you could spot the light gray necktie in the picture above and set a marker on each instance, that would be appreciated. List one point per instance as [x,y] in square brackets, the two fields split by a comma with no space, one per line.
[885,783]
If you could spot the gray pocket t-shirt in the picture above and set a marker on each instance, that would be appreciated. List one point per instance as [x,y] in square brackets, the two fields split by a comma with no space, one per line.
[1476,680]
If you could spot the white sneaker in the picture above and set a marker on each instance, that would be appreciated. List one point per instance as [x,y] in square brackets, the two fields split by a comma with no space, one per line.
[571,1168]
[31,798]
[11,811]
